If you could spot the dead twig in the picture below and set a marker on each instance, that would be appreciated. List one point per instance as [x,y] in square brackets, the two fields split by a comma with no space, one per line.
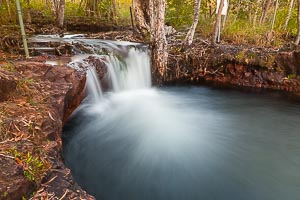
[52,179]
[7,156]
[63,196]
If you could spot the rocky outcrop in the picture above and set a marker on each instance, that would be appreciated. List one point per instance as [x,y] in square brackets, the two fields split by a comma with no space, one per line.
[37,101]
[235,67]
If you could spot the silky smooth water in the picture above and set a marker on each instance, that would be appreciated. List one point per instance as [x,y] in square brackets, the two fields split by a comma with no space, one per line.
[180,143]
[186,143]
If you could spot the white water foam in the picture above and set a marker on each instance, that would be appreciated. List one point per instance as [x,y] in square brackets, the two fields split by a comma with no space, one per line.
[130,73]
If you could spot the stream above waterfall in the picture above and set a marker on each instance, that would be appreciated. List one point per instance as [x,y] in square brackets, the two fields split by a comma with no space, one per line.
[138,142]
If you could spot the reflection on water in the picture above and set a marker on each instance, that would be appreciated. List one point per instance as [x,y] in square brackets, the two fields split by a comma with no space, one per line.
[186,143]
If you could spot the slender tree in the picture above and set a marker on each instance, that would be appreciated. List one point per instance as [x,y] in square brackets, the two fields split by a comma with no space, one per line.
[288,17]
[217,22]
[158,41]
[265,10]
[8,8]
[298,35]
[190,35]
[274,16]
[60,13]
[113,14]
[256,13]
[1,3]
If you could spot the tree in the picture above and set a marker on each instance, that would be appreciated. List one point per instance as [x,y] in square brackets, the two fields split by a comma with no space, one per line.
[266,8]
[60,13]
[141,15]
[8,8]
[190,35]
[289,14]
[158,41]
[274,16]
[217,22]
[298,35]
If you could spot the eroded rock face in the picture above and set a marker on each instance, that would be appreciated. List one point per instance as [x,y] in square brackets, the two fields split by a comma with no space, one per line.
[32,115]
[229,66]
[289,62]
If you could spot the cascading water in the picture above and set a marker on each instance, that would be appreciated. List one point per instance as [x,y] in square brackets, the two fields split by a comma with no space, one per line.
[135,142]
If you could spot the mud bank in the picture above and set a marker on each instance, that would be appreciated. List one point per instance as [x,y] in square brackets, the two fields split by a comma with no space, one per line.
[35,101]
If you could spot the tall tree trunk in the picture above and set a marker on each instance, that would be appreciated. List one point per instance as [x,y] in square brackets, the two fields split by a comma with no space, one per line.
[113,14]
[217,22]
[142,16]
[8,9]
[298,35]
[60,15]
[190,35]
[274,17]
[1,3]
[28,18]
[225,17]
[256,13]
[158,41]
[266,7]
[53,6]
[289,14]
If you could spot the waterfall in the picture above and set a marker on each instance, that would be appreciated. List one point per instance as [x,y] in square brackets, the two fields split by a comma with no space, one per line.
[127,72]
[93,84]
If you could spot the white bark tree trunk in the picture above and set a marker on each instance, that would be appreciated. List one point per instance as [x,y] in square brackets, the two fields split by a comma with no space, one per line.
[274,16]
[217,23]
[60,13]
[158,41]
[289,14]
[190,35]
[298,35]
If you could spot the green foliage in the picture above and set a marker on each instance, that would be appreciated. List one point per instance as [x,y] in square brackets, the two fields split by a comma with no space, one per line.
[291,76]
[73,9]
[25,82]
[180,13]
[4,195]
[9,67]
[242,25]
[33,166]
[242,32]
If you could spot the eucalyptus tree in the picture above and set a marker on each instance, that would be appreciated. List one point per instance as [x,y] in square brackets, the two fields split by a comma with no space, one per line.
[141,15]
[8,8]
[274,16]
[217,22]
[190,34]
[265,10]
[158,41]
[292,2]
[298,35]
[60,13]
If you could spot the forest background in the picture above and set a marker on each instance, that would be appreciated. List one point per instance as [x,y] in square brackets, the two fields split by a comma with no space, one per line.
[266,23]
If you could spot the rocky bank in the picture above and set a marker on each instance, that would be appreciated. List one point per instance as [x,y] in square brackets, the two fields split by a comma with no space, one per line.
[235,67]
[35,101]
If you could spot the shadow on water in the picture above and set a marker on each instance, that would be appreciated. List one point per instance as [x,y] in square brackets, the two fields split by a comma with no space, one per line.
[182,143]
